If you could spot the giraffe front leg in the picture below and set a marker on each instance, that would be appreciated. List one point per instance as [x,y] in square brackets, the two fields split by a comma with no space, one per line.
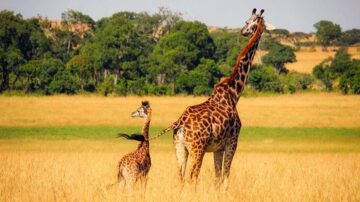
[181,154]
[218,162]
[228,157]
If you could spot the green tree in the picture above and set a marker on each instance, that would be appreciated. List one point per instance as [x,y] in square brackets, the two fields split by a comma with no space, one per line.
[93,52]
[281,32]
[168,20]
[340,68]
[264,78]
[278,56]
[341,62]
[350,80]
[20,40]
[327,32]
[332,68]
[118,47]
[64,43]
[80,65]
[63,82]
[172,55]
[350,37]
[39,73]
[73,16]
[323,73]
[197,34]
[295,81]
[74,29]
[227,46]
[199,81]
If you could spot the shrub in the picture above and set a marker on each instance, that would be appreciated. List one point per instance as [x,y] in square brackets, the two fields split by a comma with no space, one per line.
[107,86]
[121,87]
[158,90]
[350,37]
[341,68]
[291,88]
[264,78]
[350,81]
[305,81]
[275,86]
[278,56]
[64,82]
[323,73]
[90,87]
[136,87]
[297,81]
[199,81]
[202,90]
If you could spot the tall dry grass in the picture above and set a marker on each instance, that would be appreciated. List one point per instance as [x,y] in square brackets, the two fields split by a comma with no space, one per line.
[84,176]
[80,170]
[307,59]
[299,110]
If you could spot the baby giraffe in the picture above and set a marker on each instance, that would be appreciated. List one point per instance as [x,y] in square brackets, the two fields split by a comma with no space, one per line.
[134,167]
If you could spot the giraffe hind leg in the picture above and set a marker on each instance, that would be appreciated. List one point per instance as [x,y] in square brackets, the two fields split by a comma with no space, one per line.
[195,165]
[218,162]
[181,153]
[121,180]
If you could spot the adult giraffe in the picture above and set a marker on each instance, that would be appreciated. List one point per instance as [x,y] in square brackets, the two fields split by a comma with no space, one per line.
[214,125]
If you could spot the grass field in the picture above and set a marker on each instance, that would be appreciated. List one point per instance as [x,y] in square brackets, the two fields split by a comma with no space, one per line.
[301,110]
[303,147]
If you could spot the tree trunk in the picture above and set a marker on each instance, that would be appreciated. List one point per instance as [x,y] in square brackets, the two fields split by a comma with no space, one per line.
[5,80]
[105,74]
[117,74]
[68,46]
[116,79]
[14,82]
[160,79]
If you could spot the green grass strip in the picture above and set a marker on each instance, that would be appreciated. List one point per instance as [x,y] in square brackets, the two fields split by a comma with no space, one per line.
[109,132]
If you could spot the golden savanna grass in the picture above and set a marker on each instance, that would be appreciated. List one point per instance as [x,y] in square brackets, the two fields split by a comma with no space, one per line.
[263,170]
[300,110]
[307,59]
[84,175]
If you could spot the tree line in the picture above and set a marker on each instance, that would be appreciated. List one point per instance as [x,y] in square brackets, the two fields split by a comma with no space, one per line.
[135,53]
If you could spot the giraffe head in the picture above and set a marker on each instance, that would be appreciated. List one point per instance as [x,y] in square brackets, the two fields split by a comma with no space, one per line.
[252,23]
[143,110]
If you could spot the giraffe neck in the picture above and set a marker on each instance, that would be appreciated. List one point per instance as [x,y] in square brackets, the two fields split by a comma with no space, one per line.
[145,132]
[232,86]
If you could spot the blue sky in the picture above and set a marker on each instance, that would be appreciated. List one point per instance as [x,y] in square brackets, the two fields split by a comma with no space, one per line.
[294,15]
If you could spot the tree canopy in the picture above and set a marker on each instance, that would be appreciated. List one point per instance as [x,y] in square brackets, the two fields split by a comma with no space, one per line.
[150,54]
[341,68]
[327,32]
[278,56]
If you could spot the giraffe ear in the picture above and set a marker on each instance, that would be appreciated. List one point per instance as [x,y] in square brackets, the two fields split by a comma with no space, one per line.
[254,11]
[262,11]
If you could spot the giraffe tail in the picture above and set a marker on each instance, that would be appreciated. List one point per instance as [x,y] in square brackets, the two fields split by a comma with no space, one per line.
[162,132]
[137,137]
